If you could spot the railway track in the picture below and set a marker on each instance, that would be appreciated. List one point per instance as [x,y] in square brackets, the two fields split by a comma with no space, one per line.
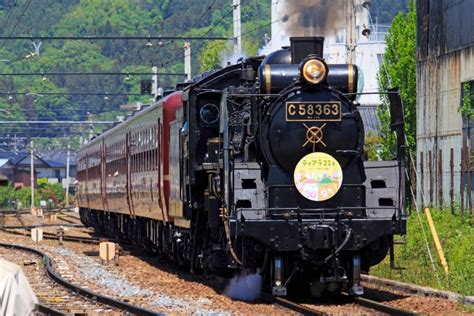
[360,301]
[305,308]
[57,296]
[11,229]
[51,236]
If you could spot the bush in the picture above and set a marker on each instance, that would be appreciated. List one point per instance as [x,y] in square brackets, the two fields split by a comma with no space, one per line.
[50,191]
[45,191]
[7,195]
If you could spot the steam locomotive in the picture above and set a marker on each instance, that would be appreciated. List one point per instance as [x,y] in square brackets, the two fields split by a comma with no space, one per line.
[255,167]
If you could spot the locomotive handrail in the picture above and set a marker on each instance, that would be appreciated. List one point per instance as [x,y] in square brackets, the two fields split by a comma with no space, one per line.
[224,130]
[361,93]
[321,209]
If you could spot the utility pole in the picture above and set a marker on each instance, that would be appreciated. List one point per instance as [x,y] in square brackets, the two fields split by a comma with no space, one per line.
[15,143]
[32,178]
[187,60]
[67,174]
[351,41]
[237,28]
[90,118]
[154,78]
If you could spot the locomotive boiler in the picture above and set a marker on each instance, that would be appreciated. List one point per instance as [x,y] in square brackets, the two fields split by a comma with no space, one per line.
[255,167]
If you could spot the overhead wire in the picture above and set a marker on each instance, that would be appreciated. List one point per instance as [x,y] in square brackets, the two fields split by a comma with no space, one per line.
[242,34]
[196,22]
[27,4]
[208,9]
[168,62]
[8,16]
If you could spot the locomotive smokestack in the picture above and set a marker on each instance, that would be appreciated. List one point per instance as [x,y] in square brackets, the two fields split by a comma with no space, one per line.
[304,46]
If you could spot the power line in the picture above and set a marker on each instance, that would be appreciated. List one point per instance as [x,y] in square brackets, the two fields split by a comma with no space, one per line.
[105,38]
[68,117]
[56,122]
[40,94]
[173,51]
[7,18]
[28,129]
[20,17]
[168,62]
[78,110]
[208,9]
[92,74]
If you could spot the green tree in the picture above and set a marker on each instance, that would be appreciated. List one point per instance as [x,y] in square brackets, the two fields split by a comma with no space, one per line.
[108,17]
[211,56]
[398,69]
[6,197]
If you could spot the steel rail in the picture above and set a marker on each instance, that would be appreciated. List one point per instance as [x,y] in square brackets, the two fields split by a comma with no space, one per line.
[43,225]
[82,291]
[62,217]
[364,302]
[380,307]
[49,311]
[298,307]
[286,303]
[49,236]
[383,308]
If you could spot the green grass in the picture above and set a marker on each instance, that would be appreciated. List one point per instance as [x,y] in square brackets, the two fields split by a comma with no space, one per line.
[457,240]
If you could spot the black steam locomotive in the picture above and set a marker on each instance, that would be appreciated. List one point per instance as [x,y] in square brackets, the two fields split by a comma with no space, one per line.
[256,167]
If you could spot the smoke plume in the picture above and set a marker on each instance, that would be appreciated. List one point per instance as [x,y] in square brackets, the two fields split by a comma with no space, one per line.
[327,18]
[245,287]
[228,57]
[313,17]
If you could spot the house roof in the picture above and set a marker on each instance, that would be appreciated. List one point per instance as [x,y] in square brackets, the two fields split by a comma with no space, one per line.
[3,162]
[370,119]
[22,159]
[59,158]
[51,159]
[13,157]
[55,164]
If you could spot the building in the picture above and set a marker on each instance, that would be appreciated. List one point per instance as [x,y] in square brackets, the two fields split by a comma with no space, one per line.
[57,167]
[445,81]
[368,57]
[15,168]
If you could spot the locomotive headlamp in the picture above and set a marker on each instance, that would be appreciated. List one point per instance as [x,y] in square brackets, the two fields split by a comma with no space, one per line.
[314,70]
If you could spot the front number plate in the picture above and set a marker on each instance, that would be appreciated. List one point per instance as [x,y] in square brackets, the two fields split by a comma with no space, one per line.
[313,111]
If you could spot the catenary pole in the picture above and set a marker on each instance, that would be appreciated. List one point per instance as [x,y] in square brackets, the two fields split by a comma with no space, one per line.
[154,78]
[187,60]
[237,28]
[350,32]
[32,177]
[67,174]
